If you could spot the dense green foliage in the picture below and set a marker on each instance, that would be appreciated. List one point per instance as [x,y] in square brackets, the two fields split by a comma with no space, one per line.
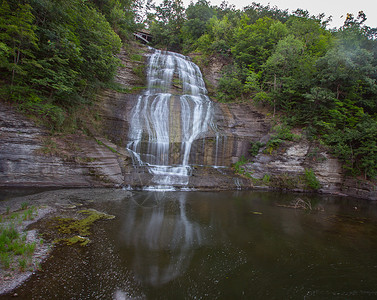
[319,79]
[167,24]
[55,54]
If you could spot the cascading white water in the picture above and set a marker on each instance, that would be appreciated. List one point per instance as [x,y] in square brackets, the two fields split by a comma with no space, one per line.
[164,124]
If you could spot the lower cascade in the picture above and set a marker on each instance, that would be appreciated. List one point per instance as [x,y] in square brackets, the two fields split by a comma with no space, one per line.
[169,116]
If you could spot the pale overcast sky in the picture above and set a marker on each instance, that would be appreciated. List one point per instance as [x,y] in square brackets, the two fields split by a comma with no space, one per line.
[336,8]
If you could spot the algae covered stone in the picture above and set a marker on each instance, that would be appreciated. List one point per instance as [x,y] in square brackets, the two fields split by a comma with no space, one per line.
[82,240]
[80,227]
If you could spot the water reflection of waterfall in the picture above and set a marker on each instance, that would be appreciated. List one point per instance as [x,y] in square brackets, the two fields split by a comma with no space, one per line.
[168,118]
[163,239]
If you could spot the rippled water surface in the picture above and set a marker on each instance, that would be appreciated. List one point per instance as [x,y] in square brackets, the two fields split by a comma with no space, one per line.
[228,245]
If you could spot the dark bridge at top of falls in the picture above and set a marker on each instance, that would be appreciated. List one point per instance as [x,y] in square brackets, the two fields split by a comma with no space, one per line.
[143,35]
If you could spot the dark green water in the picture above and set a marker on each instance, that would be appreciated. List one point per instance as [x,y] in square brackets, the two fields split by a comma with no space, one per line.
[228,245]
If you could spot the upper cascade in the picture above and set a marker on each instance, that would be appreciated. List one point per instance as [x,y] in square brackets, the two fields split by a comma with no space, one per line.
[169,116]
[163,69]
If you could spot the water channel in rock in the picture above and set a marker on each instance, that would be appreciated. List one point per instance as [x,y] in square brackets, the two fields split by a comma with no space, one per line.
[206,245]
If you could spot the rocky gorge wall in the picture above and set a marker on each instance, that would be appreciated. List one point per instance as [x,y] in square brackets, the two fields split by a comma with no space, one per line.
[283,168]
[29,157]
[100,159]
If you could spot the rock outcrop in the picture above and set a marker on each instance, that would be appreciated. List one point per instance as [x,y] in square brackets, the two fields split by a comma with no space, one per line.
[291,160]
[285,169]
[30,157]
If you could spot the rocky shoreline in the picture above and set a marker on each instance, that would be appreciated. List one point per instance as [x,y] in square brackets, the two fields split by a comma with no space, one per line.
[48,205]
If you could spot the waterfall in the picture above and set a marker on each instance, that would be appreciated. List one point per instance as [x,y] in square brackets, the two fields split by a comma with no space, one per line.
[169,116]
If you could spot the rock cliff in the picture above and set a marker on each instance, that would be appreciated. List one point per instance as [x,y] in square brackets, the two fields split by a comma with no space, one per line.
[30,157]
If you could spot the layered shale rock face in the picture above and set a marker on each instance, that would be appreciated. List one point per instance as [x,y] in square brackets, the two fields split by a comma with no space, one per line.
[291,160]
[29,157]
[285,169]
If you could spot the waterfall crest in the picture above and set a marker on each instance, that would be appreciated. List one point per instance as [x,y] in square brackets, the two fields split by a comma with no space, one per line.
[169,116]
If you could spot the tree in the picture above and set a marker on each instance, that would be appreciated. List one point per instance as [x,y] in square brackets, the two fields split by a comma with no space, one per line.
[281,65]
[18,37]
[342,69]
[198,15]
[286,57]
[218,38]
[312,33]
[121,14]
[257,11]
[230,86]
[254,43]
[77,51]
[55,54]
[166,29]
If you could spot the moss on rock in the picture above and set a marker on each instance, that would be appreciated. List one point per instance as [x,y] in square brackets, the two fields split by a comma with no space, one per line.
[81,240]
[80,227]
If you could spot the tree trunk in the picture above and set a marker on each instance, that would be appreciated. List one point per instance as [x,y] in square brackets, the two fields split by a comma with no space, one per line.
[15,61]
[337,91]
[275,88]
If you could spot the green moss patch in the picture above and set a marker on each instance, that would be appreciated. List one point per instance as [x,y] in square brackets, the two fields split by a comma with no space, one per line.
[80,227]
[81,240]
